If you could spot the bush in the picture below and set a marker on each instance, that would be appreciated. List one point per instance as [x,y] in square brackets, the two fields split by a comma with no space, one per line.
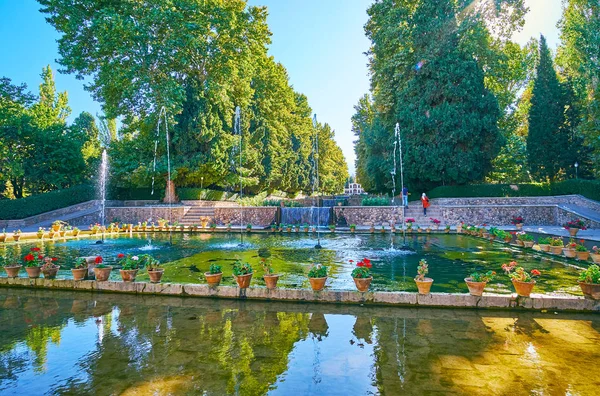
[36,204]
[375,201]
[277,202]
[588,188]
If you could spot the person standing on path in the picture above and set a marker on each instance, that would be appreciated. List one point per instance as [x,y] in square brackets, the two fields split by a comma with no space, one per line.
[405,196]
[425,202]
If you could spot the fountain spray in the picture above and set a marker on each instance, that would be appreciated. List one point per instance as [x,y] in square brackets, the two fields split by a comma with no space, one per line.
[105,138]
[237,130]
[162,117]
[398,139]
[316,177]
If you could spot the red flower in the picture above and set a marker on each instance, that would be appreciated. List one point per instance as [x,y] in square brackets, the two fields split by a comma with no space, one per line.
[35,249]
[351,261]
[369,265]
[98,260]
[29,257]
[120,255]
[54,259]
[360,264]
[40,257]
[535,272]
[367,261]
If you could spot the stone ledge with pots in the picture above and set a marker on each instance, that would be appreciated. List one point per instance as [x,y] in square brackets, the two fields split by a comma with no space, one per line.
[439,300]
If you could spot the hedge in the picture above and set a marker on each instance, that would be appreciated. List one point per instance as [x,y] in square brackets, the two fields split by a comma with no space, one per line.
[37,204]
[588,188]
[376,201]
[184,193]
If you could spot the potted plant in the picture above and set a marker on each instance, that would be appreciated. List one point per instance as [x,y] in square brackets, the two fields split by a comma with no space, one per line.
[12,269]
[544,244]
[16,235]
[305,228]
[556,245]
[419,229]
[248,227]
[447,229]
[477,280]
[242,272]
[80,269]
[3,235]
[435,222]
[393,228]
[332,228]
[317,276]
[95,228]
[214,275]
[101,271]
[228,226]
[33,262]
[274,228]
[595,255]
[382,229]
[459,228]
[297,228]
[49,269]
[525,239]
[589,281]
[362,274]
[288,228]
[574,226]
[569,249]
[213,227]
[57,225]
[522,280]
[269,276]
[76,231]
[423,283]
[353,228]
[581,251]
[518,222]
[162,223]
[152,265]
[505,236]
[204,221]
[144,226]
[63,231]
[129,266]
[372,228]
[409,224]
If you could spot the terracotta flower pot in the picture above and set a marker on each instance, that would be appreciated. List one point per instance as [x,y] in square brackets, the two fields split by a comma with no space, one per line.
[55,228]
[520,242]
[156,275]
[76,232]
[13,271]
[486,235]
[519,226]
[317,284]
[271,281]
[528,244]
[569,253]
[50,273]
[2,238]
[523,289]
[583,255]
[102,274]
[243,281]
[508,239]
[545,248]
[33,272]
[79,273]
[596,258]
[573,231]
[352,229]
[16,237]
[128,275]
[556,249]
[459,229]
[424,286]
[591,290]
[475,288]
[213,279]
[62,233]
[362,284]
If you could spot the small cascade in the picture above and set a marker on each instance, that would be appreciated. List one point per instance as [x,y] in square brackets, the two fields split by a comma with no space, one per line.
[300,216]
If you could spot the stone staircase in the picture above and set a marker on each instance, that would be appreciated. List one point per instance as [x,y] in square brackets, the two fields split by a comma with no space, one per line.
[415,210]
[196,213]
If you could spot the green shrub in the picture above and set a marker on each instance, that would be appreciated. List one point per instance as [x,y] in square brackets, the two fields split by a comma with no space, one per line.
[375,201]
[277,202]
[36,204]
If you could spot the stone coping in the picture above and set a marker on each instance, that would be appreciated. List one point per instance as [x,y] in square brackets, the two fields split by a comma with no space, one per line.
[436,300]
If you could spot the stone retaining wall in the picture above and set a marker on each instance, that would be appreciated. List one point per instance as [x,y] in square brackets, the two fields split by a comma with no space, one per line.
[445,300]
[261,216]
[539,201]
[49,216]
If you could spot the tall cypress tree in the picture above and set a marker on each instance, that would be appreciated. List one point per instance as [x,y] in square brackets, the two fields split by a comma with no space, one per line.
[546,140]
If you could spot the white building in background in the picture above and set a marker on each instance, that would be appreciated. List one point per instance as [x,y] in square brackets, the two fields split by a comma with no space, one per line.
[353,189]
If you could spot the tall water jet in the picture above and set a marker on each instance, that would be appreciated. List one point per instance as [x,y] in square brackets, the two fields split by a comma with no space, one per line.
[237,131]
[316,178]
[102,188]
[398,143]
[170,189]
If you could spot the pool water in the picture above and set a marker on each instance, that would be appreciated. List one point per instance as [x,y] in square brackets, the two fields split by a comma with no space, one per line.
[451,258]
[78,343]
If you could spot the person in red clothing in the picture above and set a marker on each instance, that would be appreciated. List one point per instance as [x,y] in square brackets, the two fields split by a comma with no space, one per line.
[425,202]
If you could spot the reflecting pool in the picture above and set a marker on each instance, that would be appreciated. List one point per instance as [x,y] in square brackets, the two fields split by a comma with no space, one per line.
[70,343]
[451,258]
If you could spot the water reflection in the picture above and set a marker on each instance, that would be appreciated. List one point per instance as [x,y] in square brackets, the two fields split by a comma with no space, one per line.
[79,343]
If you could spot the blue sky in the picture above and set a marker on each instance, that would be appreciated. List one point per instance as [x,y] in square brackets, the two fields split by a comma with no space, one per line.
[320,42]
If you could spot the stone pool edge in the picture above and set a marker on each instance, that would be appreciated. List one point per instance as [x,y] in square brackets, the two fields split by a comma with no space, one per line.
[401,299]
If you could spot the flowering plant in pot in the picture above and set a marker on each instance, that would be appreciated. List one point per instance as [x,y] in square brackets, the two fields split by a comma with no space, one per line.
[503,235]
[101,271]
[352,227]
[288,227]
[305,228]
[525,239]
[130,265]
[362,274]
[3,235]
[332,228]
[57,225]
[459,228]
[518,222]
[242,272]
[16,235]
[248,227]
[269,275]
[544,244]
[492,233]
[40,233]
[522,280]
[436,223]
[569,249]
[477,280]
[95,228]
[423,283]
[574,226]
[214,275]
[33,262]
[409,224]
[152,265]
[383,229]
[589,281]
[317,276]
[79,269]
[595,254]
[12,268]
[49,269]
[76,231]
[556,245]
[162,223]
[447,229]
[581,251]
[213,227]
